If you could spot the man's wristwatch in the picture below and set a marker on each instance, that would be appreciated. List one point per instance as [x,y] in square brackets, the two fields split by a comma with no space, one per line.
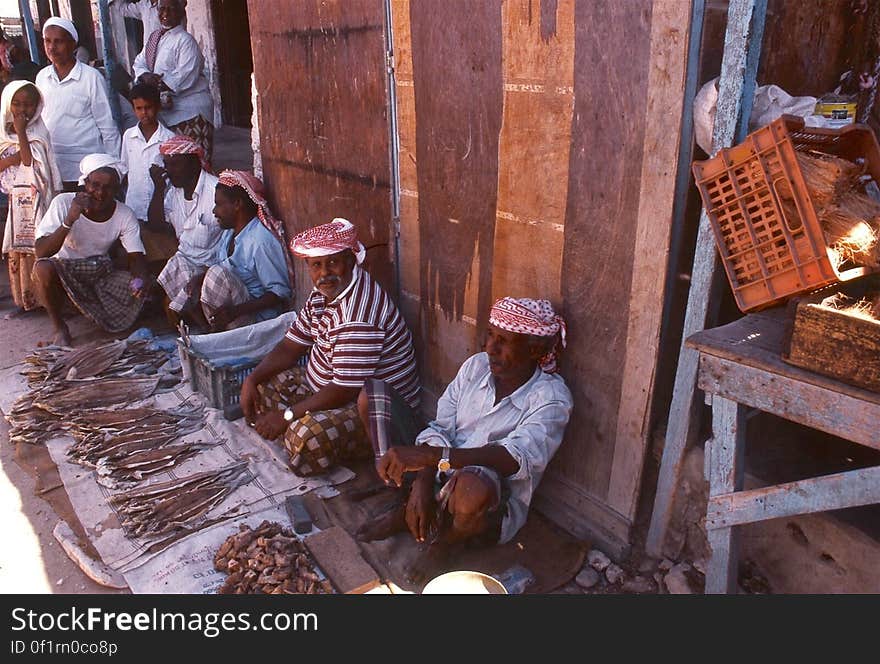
[443,465]
[288,415]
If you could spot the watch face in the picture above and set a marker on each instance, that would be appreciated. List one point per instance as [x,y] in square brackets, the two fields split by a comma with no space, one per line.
[288,414]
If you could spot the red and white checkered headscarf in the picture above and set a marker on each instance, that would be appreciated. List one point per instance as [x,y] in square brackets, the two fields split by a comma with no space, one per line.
[327,239]
[526,316]
[179,144]
[255,190]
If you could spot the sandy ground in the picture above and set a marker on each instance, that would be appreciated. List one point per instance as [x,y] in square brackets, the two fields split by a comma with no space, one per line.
[36,563]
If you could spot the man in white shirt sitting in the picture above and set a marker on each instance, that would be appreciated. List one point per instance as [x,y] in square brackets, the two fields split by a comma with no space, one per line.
[72,244]
[77,110]
[186,210]
[478,463]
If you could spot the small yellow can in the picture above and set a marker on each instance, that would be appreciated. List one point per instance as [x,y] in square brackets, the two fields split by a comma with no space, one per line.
[837,110]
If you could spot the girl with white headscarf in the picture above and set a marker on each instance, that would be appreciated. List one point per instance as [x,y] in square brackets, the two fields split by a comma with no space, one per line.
[29,176]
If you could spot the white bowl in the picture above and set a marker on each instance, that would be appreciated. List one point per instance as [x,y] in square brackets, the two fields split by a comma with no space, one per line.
[464,583]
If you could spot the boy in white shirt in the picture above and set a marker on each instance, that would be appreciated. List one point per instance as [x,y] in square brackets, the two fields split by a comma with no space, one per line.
[140,150]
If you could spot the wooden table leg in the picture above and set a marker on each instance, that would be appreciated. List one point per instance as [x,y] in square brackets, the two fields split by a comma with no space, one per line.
[725,476]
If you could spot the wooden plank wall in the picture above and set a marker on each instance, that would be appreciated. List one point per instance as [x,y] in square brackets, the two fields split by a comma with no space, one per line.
[320,74]
[522,133]
[608,132]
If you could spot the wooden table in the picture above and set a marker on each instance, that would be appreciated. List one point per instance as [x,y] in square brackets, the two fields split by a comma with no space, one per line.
[740,366]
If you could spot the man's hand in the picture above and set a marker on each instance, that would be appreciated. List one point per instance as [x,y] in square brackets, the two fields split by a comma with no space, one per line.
[249,400]
[270,425]
[398,460]
[222,317]
[80,203]
[157,175]
[421,508]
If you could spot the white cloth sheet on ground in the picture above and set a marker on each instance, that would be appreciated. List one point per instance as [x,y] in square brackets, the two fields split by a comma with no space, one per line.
[164,569]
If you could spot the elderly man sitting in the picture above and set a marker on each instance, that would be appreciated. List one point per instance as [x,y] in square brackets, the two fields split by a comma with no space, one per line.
[352,331]
[498,424]
[72,244]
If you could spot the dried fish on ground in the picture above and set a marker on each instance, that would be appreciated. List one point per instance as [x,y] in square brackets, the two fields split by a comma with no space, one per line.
[269,560]
[136,466]
[30,424]
[87,361]
[108,374]
[117,358]
[73,395]
[164,507]
[103,434]
[119,420]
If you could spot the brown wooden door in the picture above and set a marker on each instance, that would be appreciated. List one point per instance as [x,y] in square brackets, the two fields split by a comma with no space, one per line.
[324,128]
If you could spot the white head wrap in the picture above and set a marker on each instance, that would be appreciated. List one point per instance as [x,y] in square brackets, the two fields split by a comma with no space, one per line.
[92,162]
[64,24]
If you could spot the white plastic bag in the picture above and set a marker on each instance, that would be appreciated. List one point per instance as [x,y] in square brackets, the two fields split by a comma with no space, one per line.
[770,102]
[704,114]
[252,341]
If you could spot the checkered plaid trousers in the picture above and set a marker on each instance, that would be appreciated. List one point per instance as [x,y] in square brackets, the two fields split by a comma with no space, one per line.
[317,441]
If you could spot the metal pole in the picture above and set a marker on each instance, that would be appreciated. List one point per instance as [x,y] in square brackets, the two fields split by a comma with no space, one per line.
[24,8]
[394,148]
[109,59]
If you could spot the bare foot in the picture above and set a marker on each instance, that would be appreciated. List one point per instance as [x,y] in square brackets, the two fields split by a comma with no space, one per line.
[386,524]
[62,337]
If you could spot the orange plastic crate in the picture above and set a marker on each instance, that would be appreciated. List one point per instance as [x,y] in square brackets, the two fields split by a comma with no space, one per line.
[767,257]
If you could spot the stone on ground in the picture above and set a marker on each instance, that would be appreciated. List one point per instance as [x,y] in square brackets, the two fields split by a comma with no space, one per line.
[587,578]
[598,560]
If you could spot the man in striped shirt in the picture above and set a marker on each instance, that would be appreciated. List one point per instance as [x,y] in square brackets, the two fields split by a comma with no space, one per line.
[351,331]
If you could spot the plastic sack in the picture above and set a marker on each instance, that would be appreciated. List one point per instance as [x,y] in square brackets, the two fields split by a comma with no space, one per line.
[770,102]
[252,341]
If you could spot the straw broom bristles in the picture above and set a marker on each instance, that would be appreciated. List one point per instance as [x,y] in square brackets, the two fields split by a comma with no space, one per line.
[851,228]
[827,177]
[867,308]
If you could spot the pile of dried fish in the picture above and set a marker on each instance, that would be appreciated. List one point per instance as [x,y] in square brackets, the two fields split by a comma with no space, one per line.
[117,358]
[109,434]
[65,381]
[69,396]
[136,466]
[270,560]
[30,424]
[164,507]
